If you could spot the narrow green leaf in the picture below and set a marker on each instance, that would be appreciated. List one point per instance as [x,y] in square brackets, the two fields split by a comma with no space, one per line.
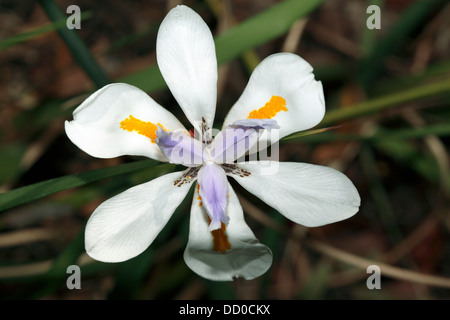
[302,134]
[55,277]
[369,36]
[440,130]
[76,46]
[398,34]
[10,157]
[48,27]
[411,155]
[317,283]
[251,33]
[131,274]
[433,73]
[380,196]
[382,103]
[148,79]
[261,28]
[42,189]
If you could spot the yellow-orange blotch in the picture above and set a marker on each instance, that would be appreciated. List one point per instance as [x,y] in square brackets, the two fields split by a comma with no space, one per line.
[220,239]
[144,128]
[199,198]
[270,109]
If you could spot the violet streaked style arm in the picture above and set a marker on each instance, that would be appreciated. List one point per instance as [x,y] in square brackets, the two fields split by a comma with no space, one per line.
[234,141]
[180,148]
[214,193]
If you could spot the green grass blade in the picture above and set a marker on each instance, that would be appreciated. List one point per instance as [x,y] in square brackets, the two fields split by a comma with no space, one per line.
[251,33]
[148,79]
[42,189]
[301,134]
[77,47]
[392,100]
[369,36]
[312,136]
[397,36]
[380,195]
[56,276]
[433,73]
[412,156]
[440,130]
[48,27]
[263,27]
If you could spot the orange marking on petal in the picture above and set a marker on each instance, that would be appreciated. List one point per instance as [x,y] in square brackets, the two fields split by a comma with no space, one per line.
[220,239]
[270,109]
[144,128]
[199,198]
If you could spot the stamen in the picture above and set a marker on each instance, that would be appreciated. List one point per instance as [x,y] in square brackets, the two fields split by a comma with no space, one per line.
[147,129]
[233,169]
[206,132]
[188,177]
[270,109]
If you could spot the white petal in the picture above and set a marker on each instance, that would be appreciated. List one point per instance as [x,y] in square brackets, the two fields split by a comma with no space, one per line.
[125,225]
[289,76]
[187,59]
[307,194]
[246,258]
[96,125]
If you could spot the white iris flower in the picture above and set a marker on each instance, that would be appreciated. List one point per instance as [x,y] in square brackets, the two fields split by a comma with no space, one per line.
[120,119]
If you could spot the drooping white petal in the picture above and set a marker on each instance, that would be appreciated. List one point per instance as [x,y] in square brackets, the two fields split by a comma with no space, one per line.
[96,125]
[187,59]
[288,76]
[246,258]
[125,225]
[307,194]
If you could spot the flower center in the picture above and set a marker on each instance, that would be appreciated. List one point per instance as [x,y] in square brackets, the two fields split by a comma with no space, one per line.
[211,160]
